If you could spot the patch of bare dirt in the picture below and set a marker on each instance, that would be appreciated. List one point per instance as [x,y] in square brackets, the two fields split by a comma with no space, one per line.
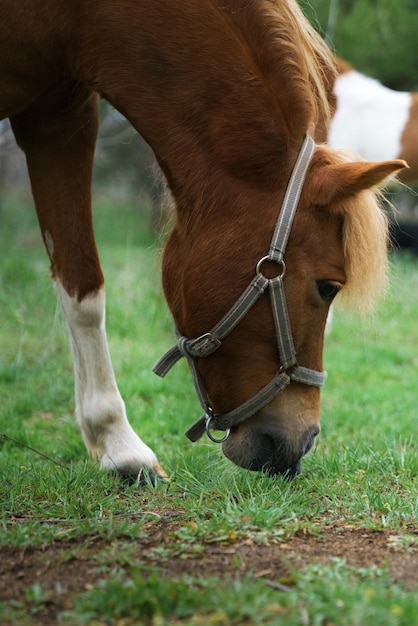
[65,569]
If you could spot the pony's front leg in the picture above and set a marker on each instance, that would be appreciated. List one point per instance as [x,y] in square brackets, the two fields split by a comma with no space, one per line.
[58,135]
[100,409]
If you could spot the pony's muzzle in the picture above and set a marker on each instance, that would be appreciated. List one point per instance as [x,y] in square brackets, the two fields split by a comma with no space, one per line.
[270,451]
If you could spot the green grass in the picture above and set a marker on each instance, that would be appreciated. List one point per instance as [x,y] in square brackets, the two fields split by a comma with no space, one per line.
[329,589]
[362,472]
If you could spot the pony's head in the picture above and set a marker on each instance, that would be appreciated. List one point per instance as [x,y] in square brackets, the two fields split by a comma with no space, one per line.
[337,248]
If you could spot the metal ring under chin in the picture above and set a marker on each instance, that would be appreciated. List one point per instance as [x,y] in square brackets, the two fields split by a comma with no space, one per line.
[209,418]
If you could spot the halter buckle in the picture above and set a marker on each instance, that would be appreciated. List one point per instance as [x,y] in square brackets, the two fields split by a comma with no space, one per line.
[203,345]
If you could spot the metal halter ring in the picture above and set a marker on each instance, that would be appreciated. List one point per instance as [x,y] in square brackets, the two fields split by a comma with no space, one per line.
[209,418]
[267,258]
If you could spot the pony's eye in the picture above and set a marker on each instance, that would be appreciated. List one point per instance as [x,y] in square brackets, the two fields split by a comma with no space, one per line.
[327,290]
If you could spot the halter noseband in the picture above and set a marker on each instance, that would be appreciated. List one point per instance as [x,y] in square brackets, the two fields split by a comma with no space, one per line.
[207,343]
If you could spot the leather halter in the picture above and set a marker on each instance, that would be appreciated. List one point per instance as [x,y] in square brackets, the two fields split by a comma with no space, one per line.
[207,343]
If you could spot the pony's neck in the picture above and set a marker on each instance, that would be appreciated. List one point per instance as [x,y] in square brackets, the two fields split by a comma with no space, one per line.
[200,101]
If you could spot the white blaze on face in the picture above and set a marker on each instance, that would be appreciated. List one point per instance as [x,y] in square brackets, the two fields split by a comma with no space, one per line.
[370,118]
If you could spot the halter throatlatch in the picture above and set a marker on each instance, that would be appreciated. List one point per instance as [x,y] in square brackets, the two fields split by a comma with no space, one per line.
[207,343]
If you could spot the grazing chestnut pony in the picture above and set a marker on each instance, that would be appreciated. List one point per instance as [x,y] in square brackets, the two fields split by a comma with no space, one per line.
[375,121]
[225,93]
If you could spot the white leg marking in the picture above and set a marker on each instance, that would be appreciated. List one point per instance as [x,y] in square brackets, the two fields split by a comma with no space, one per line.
[100,409]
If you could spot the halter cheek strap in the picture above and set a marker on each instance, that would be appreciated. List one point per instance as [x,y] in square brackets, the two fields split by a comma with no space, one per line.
[207,343]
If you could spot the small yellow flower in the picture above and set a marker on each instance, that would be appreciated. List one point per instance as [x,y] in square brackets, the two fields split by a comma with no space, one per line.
[397,610]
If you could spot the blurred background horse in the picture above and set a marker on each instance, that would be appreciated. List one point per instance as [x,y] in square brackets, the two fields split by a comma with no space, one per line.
[380,123]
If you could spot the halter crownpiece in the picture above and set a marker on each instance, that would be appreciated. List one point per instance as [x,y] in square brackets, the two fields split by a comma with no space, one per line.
[207,343]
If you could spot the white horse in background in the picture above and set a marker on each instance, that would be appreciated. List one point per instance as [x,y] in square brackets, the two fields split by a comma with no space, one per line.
[375,121]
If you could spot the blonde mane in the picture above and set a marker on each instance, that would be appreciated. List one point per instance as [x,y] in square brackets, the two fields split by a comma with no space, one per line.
[313,58]
[365,241]
[293,58]
[365,244]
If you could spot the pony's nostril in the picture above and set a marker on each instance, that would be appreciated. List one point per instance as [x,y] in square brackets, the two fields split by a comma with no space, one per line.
[309,439]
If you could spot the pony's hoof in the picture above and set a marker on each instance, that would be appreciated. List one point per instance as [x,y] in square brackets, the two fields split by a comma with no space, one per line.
[146,476]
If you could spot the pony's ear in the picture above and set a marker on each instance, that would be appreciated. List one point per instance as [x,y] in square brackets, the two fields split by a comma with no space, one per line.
[342,180]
